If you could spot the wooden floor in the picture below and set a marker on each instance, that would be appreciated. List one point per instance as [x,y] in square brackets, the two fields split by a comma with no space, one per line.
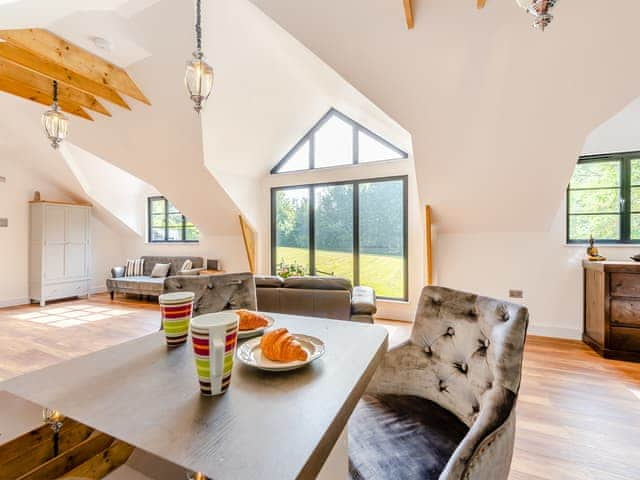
[578,414]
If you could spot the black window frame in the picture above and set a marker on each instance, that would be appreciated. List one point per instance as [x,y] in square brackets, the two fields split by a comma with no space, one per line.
[624,160]
[356,226]
[166,223]
[357,128]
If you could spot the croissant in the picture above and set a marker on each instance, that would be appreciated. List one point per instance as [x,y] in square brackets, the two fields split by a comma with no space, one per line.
[251,320]
[280,346]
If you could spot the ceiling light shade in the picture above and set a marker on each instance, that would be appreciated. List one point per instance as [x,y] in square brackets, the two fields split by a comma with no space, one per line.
[541,10]
[55,123]
[199,75]
[198,80]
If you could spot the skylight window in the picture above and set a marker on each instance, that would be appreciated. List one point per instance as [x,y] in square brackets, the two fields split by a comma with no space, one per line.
[334,141]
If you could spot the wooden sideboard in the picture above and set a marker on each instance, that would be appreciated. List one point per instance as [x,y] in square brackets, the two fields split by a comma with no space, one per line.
[612,309]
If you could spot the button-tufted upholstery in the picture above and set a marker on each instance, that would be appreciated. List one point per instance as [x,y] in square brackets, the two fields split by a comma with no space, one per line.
[214,293]
[465,355]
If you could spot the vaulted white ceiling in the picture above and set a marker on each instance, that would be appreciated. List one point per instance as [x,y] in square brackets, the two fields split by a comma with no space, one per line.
[498,111]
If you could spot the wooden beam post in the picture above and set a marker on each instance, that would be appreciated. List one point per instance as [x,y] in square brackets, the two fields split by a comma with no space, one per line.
[429,246]
[249,237]
[408,13]
[481,3]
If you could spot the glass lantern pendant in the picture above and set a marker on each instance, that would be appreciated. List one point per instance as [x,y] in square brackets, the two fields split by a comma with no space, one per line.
[199,76]
[55,124]
[541,10]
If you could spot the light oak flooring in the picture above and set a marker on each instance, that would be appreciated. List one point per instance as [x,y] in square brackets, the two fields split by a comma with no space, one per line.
[578,414]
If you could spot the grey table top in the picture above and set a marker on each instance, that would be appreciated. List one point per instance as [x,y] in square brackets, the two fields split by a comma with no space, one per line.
[268,425]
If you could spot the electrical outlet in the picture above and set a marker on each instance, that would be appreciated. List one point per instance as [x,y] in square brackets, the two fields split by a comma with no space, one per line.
[4,222]
[516,294]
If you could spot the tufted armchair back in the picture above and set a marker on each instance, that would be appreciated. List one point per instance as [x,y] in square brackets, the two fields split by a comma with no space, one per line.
[214,293]
[465,354]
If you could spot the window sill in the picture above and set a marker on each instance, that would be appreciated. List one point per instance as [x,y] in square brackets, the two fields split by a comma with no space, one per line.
[173,243]
[393,302]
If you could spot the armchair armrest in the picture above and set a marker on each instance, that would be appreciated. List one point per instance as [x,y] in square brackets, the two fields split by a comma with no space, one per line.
[117,272]
[363,301]
[191,273]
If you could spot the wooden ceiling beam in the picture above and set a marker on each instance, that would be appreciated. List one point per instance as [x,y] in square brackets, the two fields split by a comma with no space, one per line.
[44,98]
[64,54]
[55,71]
[16,73]
[408,13]
[481,3]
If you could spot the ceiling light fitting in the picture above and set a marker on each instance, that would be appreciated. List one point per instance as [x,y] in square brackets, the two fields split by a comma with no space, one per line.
[55,123]
[199,75]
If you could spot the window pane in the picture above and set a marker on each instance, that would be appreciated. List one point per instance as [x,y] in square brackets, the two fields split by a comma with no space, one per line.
[372,150]
[596,174]
[292,231]
[334,230]
[635,199]
[635,227]
[594,201]
[382,237]
[334,143]
[158,221]
[602,227]
[192,234]
[157,235]
[157,205]
[299,160]
[635,171]
[174,220]
[174,234]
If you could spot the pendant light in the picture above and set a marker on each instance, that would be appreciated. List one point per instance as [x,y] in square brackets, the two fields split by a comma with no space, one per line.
[541,10]
[199,76]
[55,124]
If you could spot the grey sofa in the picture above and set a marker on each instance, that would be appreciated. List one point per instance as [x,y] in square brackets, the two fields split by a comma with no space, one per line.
[327,297]
[214,293]
[442,405]
[145,284]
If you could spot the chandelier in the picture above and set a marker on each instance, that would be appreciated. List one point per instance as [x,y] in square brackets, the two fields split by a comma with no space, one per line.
[55,124]
[199,75]
[541,11]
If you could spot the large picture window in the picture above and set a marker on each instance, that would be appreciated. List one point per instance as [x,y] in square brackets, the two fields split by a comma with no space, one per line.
[168,225]
[603,199]
[354,229]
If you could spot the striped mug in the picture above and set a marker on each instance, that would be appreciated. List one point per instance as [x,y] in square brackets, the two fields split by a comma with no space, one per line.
[176,309]
[214,337]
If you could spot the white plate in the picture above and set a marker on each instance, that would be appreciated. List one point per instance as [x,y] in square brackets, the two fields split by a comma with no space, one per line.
[256,331]
[250,354]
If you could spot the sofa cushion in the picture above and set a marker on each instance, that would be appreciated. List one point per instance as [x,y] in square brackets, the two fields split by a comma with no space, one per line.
[176,263]
[134,268]
[160,270]
[401,437]
[318,283]
[363,301]
[269,281]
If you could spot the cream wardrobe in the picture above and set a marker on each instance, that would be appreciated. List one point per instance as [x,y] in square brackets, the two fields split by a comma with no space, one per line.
[60,251]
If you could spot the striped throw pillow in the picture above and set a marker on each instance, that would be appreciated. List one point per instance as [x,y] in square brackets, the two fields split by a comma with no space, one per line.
[134,268]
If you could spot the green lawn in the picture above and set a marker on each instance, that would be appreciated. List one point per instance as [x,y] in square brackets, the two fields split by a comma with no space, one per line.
[382,272]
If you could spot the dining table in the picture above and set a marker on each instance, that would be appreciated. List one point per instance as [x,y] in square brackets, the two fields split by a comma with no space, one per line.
[268,425]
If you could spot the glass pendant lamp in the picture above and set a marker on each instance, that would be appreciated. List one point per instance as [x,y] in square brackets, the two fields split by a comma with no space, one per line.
[55,123]
[540,9]
[199,75]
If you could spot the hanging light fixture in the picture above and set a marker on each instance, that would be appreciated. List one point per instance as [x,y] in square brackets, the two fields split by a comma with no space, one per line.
[55,124]
[541,10]
[199,76]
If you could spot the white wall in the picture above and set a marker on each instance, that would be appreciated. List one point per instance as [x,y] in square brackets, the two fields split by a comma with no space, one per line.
[15,195]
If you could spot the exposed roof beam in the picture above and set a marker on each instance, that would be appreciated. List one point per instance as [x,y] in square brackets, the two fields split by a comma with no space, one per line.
[43,98]
[408,13]
[481,4]
[60,52]
[57,72]
[16,73]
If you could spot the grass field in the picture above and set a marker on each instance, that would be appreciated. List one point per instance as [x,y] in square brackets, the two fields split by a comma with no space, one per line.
[384,273]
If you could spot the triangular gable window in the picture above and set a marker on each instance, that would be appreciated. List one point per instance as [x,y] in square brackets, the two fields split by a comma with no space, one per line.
[334,141]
